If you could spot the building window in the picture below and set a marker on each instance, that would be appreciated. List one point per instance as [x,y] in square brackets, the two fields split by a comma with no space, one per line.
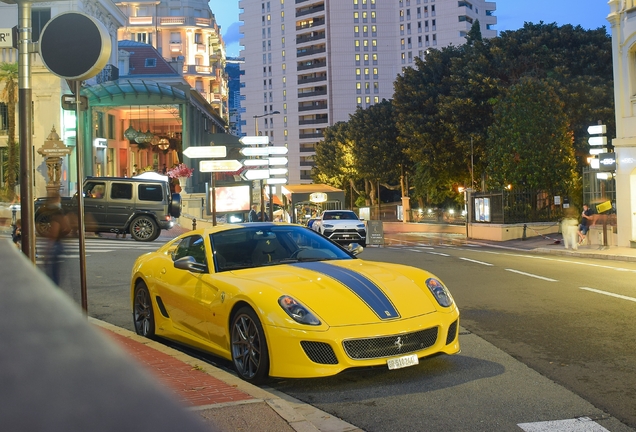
[39,18]
[150,62]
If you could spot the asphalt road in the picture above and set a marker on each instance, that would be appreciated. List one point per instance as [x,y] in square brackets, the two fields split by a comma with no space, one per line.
[555,315]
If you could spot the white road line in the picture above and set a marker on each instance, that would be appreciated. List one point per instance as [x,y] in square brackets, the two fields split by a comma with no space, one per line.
[475,261]
[532,275]
[438,253]
[581,424]
[415,250]
[609,294]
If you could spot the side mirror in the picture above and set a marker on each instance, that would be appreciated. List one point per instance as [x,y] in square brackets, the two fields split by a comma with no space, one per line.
[188,263]
[355,248]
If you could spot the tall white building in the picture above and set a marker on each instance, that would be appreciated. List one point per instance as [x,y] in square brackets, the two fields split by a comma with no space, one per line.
[316,61]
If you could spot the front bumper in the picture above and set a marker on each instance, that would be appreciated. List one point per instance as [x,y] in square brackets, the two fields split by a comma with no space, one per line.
[291,351]
[346,235]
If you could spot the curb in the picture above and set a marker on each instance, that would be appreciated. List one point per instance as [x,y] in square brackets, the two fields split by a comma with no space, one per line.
[300,416]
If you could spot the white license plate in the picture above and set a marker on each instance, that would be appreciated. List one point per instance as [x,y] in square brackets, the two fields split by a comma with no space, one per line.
[402,362]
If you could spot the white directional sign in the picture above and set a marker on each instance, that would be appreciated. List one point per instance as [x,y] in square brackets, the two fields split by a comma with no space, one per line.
[596,129]
[264,151]
[204,152]
[597,140]
[276,180]
[231,165]
[255,174]
[273,161]
[255,140]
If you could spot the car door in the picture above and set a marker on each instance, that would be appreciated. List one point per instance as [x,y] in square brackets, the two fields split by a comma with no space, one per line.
[120,204]
[94,204]
[188,295]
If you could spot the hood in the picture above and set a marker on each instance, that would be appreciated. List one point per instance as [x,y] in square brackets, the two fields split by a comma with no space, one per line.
[351,292]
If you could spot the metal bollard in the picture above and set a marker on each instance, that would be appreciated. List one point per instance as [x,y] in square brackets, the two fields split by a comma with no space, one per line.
[523,236]
[13,216]
[194,223]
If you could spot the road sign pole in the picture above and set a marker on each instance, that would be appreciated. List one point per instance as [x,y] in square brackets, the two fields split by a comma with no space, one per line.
[213,198]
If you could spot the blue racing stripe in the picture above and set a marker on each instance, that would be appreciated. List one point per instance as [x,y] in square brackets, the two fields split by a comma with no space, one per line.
[366,290]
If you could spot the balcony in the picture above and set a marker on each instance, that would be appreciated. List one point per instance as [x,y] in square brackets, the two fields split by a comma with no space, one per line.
[301,52]
[141,21]
[175,47]
[203,22]
[311,64]
[304,135]
[313,121]
[311,79]
[311,23]
[197,70]
[318,92]
[311,107]
[310,10]
[310,37]
[172,21]
[201,48]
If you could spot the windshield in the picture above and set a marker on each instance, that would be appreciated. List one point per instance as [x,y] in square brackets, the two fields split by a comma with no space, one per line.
[339,215]
[263,245]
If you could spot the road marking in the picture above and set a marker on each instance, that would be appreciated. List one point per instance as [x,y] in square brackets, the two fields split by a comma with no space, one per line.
[476,262]
[532,275]
[439,253]
[609,294]
[581,424]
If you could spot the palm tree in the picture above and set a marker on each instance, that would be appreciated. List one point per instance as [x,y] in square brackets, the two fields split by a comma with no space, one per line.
[9,77]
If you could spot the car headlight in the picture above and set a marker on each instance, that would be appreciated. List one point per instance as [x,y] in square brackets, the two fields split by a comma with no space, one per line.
[298,312]
[360,226]
[440,292]
[327,226]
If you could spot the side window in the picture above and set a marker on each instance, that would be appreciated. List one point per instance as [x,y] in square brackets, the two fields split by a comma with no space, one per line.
[191,246]
[121,191]
[94,190]
[150,192]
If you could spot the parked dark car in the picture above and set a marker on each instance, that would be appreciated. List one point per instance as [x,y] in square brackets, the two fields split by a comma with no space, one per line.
[139,207]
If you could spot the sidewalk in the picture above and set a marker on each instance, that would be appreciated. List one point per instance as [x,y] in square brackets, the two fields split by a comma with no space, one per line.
[223,401]
[552,244]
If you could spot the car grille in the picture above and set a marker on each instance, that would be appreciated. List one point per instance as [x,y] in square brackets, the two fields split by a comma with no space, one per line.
[452,332]
[342,234]
[388,346]
[319,352]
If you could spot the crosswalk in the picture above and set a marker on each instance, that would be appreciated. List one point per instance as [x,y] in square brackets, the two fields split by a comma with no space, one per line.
[96,246]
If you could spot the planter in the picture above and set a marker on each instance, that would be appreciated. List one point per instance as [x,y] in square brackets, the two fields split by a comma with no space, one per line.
[182,183]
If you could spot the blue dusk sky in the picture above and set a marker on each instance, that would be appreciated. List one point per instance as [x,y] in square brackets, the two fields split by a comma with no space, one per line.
[511,15]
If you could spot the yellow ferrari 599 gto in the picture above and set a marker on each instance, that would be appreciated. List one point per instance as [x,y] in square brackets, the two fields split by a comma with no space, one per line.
[281,300]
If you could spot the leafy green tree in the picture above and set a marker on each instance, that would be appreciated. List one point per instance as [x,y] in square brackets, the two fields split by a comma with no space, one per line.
[378,155]
[334,160]
[9,77]
[530,142]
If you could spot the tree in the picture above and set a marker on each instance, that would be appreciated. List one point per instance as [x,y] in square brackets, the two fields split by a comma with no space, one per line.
[530,142]
[9,77]
[378,155]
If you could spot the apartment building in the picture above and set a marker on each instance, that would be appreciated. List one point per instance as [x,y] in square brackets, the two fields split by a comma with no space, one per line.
[311,63]
[185,33]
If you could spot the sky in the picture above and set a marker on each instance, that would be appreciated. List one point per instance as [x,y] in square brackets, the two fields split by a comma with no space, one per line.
[511,15]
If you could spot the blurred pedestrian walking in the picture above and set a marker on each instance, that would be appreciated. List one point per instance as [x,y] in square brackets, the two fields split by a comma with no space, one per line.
[59,228]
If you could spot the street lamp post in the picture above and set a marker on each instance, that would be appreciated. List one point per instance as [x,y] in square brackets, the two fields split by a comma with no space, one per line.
[271,210]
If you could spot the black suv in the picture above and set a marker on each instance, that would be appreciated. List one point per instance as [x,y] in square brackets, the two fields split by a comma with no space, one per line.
[139,207]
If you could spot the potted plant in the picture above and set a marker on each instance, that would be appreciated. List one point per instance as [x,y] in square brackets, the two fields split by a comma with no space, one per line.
[180,172]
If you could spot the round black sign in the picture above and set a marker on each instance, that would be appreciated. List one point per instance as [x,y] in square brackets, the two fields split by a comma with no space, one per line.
[74,46]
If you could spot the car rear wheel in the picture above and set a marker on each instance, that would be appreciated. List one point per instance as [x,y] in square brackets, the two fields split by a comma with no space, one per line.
[144,228]
[143,313]
[43,223]
[249,347]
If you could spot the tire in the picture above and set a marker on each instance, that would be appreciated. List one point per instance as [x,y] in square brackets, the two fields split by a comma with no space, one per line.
[43,223]
[175,206]
[249,347]
[144,228]
[143,313]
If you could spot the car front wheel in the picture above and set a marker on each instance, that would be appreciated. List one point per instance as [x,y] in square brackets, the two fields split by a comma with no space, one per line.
[144,228]
[249,347]
[143,314]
